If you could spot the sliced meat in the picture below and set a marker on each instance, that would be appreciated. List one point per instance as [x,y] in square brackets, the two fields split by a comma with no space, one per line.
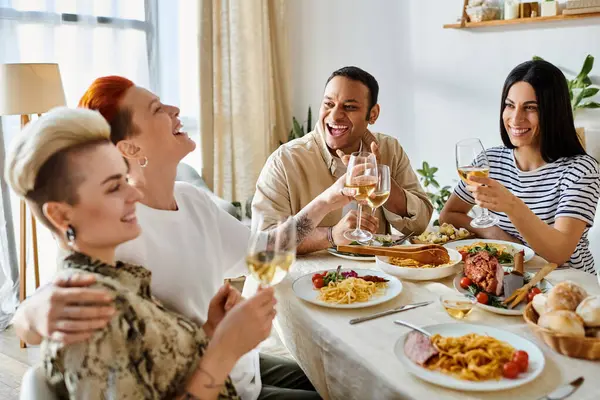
[484,270]
[418,348]
[373,278]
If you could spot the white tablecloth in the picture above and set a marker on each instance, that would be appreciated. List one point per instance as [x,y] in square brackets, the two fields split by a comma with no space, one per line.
[357,361]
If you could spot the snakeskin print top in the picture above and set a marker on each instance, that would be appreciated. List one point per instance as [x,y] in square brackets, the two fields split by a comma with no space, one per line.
[145,352]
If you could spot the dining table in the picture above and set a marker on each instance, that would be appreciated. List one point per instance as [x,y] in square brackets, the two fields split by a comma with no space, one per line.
[346,361]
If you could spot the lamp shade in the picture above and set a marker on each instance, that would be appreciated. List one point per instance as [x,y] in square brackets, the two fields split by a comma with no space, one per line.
[30,88]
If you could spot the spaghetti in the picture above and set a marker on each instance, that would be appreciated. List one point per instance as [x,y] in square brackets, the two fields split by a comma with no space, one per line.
[470,357]
[350,290]
[410,263]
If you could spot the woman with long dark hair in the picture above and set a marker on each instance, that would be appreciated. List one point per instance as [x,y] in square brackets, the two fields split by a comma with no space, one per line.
[543,186]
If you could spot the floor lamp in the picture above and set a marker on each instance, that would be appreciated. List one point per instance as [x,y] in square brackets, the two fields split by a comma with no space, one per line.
[25,90]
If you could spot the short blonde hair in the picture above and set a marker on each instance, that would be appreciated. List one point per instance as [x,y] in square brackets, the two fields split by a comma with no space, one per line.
[36,163]
[56,131]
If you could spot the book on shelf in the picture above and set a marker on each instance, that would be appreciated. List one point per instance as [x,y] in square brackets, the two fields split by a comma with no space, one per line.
[574,4]
[579,11]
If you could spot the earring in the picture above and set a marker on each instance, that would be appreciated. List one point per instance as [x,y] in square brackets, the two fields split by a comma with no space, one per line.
[144,163]
[70,235]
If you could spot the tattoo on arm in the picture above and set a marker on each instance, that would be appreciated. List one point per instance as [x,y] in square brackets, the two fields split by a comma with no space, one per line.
[304,227]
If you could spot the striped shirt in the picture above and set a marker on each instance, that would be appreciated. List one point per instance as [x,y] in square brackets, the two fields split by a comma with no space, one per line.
[567,187]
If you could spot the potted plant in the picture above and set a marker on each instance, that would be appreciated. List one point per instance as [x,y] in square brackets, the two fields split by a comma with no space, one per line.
[581,90]
[437,197]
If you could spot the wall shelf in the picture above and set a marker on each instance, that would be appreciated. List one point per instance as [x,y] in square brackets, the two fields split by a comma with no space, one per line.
[519,21]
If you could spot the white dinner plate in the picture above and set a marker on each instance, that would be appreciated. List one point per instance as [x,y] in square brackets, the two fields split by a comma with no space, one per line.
[529,254]
[536,359]
[350,256]
[363,257]
[423,274]
[303,288]
[544,286]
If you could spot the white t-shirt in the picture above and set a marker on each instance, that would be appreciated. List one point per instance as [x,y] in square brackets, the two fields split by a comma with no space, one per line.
[190,252]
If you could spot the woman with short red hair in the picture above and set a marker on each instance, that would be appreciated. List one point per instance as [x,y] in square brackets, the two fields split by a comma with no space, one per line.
[188,243]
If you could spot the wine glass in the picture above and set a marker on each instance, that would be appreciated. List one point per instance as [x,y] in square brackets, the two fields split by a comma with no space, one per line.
[382,190]
[361,176]
[271,253]
[471,160]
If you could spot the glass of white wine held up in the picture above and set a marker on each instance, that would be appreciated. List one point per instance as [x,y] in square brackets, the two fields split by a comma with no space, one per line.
[361,177]
[272,252]
[471,160]
[381,194]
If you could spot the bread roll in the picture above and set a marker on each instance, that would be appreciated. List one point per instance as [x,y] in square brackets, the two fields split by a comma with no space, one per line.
[589,311]
[539,303]
[562,321]
[565,296]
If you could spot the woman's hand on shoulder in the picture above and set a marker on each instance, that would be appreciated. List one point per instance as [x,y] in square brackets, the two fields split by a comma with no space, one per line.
[67,310]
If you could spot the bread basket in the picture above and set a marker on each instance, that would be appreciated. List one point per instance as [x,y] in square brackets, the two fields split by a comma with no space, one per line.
[571,346]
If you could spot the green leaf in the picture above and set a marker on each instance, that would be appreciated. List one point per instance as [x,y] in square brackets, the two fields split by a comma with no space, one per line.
[589,92]
[536,58]
[298,129]
[434,170]
[435,183]
[590,104]
[588,64]
[577,99]
[420,172]
[426,166]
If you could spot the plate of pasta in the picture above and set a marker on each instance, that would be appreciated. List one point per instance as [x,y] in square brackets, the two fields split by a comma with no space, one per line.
[470,357]
[412,270]
[347,288]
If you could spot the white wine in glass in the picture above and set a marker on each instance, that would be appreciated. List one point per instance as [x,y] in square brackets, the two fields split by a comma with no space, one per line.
[466,172]
[471,160]
[362,177]
[271,253]
[381,194]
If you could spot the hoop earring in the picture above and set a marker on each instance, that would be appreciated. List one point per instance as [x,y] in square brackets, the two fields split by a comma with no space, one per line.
[144,163]
[70,235]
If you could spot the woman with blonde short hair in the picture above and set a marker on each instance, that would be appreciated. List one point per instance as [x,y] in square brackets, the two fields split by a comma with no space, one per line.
[75,181]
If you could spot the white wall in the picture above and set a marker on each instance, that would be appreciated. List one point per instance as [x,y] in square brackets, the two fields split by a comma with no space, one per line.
[437,85]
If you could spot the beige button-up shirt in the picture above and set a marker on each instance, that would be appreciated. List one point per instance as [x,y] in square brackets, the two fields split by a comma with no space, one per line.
[302,169]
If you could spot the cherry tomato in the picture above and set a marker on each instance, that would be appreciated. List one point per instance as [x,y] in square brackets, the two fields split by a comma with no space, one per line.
[510,370]
[521,358]
[465,282]
[482,298]
[318,282]
[532,293]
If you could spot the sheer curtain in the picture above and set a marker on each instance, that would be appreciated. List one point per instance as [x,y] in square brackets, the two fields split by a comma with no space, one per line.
[88,39]
[244,91]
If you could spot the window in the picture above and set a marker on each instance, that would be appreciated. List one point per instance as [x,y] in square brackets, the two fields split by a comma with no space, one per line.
[178,66]
[88,39]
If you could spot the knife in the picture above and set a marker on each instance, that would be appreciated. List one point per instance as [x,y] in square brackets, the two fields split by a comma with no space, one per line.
[564,391]
[388,312]
[514,280]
